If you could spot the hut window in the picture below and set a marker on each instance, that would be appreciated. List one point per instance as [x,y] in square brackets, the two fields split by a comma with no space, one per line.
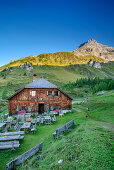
[23,108]
[57,107]
[41,91]
[49,93]
[33,93]
[56,93]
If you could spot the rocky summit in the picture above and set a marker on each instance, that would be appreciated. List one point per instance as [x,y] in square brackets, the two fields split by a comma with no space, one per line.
[92,47]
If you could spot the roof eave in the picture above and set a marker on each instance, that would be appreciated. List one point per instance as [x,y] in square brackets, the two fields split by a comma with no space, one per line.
[65,93]
[15,93]
[40,87]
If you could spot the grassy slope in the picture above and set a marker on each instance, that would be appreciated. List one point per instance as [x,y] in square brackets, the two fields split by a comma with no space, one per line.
[102,107]
[56,74]
[88,146]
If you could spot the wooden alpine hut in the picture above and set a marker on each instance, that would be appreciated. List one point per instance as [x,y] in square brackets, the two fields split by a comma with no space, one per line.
[37,96]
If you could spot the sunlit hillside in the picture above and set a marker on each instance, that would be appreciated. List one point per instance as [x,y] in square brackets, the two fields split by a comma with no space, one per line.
[54,59]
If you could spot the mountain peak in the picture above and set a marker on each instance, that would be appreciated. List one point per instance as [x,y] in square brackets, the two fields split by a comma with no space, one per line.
[92,47]
[91,40]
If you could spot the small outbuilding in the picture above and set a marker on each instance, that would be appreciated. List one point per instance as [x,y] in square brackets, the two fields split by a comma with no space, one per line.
[37,96]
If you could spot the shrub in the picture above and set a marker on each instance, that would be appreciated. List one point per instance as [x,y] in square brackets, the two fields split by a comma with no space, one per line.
[25,74]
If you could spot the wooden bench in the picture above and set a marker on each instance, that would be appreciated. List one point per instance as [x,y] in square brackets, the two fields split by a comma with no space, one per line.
[20,159]
[16,126]
[34,121]
[53,119]
[41,121]
[8,126]
[5,129]
[47,121]
[33,128]
[9,145]
[69,124]
[10,138]
[63,128]
[38,120]
[19,128]
[12,133]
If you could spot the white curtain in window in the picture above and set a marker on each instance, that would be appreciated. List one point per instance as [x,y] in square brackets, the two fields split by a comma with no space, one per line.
[33,93]
[53,93]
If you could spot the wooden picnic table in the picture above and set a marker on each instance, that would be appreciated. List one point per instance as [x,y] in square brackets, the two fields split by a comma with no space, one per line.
[26,125]
[9,120]
[47,120]
[8,138]
[47,117]
[34,121]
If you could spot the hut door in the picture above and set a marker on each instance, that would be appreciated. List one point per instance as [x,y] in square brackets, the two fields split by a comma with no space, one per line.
[41,108]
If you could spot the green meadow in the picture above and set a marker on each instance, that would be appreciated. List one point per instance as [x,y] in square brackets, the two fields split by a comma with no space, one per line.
[88,146]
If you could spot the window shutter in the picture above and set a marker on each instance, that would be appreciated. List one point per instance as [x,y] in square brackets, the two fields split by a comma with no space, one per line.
[30,93]
[52,93]
[47,93]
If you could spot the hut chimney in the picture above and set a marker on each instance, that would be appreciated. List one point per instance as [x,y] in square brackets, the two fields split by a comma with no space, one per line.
[34,77]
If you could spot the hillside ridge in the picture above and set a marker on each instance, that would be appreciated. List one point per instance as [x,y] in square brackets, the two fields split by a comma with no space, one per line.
[88,51]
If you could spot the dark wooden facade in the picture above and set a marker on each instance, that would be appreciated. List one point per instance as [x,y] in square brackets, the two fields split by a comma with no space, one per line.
[23,99]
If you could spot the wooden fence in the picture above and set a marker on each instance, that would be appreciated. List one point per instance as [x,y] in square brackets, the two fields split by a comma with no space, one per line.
[20,159]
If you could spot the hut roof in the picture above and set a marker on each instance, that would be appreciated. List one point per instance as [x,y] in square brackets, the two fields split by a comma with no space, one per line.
[41,83]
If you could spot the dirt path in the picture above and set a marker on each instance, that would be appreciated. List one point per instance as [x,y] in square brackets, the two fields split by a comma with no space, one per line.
[78,110]
[107,125]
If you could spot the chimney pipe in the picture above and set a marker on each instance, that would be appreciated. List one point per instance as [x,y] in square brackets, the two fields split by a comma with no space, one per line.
[34,77]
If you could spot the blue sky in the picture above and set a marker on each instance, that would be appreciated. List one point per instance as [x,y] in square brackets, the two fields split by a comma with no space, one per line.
[30,27]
